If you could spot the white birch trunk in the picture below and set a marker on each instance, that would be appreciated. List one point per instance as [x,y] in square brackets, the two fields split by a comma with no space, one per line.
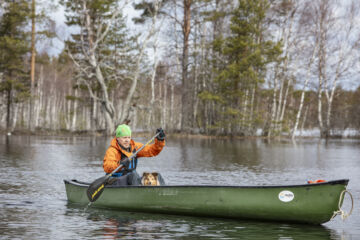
[178,70]
[75,107]
[304,120]
[321,125]
[172,113]
[252,105]
[95,115]
[303,92]
[47,113]
[15,116]
[274,105]
[152,85]
[39,93]
[164,108]
[285,101]
[244,109]
[280,101]
[196,72]
[52,103]
[53,112]
[67,110]
[288,44]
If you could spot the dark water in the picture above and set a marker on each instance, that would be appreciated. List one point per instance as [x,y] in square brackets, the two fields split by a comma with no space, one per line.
[33,201]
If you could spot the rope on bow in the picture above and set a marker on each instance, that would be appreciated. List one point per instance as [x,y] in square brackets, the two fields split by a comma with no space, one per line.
[341,212]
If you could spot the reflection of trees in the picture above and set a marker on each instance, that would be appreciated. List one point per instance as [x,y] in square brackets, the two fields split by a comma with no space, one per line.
[16,148]
[218,154]
[240,152]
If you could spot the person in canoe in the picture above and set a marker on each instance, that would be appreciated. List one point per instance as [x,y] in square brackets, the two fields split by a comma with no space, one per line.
[122,147]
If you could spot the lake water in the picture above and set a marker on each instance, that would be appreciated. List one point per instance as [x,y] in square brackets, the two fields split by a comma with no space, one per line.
[33,202]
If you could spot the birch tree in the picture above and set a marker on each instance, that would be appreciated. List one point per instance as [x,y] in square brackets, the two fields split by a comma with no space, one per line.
[343,57]
[94,18]
[284,14]
[305,51]
[338,42]
[305,86]
[93,53]
[150,11]
[91,48]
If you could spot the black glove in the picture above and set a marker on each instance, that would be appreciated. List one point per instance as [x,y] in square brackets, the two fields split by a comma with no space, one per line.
[125,163]
[161,136]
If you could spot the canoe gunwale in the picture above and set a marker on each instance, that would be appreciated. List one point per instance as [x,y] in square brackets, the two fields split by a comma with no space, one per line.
[333,182]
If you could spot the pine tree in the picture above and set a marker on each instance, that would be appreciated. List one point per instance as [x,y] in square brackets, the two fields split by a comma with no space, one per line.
[247,53]
[14,45]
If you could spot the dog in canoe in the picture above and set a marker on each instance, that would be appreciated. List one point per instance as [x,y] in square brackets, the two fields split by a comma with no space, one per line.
[150,179]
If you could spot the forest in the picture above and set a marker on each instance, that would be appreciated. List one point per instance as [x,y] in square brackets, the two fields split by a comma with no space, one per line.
[212,67]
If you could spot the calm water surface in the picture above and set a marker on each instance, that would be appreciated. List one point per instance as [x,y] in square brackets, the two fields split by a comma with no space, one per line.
[33,201]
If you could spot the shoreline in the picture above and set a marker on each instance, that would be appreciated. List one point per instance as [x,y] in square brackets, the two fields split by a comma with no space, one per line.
[66,133]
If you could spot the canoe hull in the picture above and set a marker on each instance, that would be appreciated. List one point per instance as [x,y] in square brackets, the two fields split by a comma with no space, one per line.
[310,203]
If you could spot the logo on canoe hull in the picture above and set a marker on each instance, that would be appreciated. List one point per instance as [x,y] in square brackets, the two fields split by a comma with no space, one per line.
[286,196]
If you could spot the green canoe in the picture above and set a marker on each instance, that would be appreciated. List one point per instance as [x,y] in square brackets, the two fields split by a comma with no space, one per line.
[307,203]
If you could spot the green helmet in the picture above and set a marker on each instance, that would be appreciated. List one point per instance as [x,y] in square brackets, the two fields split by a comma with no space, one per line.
[123,130]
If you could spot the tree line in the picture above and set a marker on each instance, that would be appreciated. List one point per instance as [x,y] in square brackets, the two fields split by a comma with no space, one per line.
[229,67]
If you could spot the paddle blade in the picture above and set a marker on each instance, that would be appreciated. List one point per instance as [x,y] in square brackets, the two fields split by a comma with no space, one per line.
[96,188]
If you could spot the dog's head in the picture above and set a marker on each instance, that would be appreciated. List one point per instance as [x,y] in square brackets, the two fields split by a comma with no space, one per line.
[150,179]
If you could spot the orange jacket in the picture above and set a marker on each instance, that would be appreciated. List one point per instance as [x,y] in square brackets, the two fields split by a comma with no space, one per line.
[113,153]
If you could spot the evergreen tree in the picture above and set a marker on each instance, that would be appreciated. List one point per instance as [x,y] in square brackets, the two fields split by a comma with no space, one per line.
[14,45]
[247,53]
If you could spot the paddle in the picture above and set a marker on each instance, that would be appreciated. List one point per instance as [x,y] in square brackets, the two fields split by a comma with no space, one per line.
[97,187]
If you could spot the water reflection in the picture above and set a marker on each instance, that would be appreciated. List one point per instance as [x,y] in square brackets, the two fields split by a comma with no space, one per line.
[33,199]
[217,154]
[126,225]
